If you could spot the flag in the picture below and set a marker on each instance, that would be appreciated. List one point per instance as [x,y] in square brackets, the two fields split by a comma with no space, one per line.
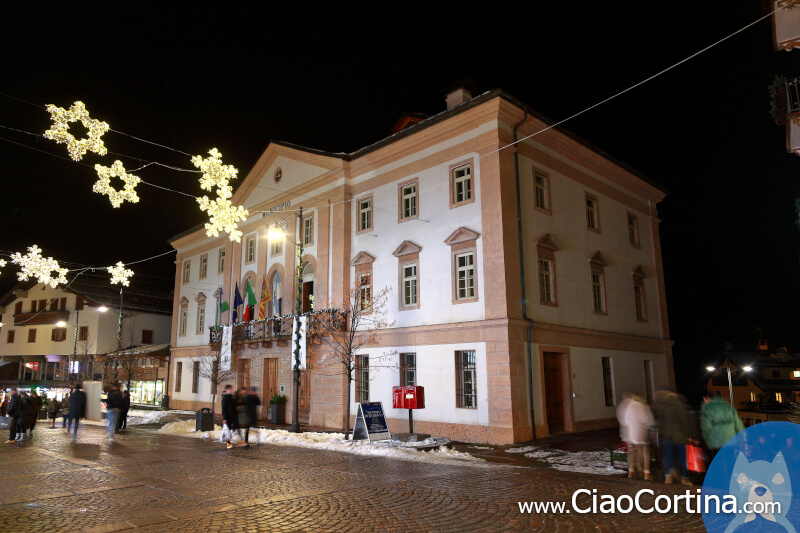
[265,297]
[223,305]
[249,300]
[237,301]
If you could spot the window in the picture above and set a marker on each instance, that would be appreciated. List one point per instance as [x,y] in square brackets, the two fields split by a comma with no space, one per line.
[221,261]
[362,378]
[608,382]
[461,188]
[408,369]
[465,276]
[147,336]
[54,304]
[18,308]
[32,335]
[277,247]
[776,374]
[592,213]
[753,398]
[365,214]
[83,333]
[718,394]
[796,373]
[33,306]
[308,230]
[641,306]
[195,376]
[408,201]
[409,285]
[201,316]
[244,373]
[598,293]
[779,397]
[251,249]
[42,305]
[633,230]
[466,382]
[178,376]
[10,336]
[364,291]
[78,303]
[541,191]
[182,327]
[547,293]
[186,266]
[203,266]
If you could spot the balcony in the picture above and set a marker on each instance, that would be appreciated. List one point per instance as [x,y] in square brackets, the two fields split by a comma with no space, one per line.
[271,329]
[45,317]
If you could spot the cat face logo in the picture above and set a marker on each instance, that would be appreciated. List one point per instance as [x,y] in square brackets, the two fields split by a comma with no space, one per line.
[761,482]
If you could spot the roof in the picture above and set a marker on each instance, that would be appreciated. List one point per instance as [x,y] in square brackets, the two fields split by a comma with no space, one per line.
[146,349]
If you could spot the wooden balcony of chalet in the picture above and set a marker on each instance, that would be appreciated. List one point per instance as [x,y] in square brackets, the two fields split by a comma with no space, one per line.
[42,317]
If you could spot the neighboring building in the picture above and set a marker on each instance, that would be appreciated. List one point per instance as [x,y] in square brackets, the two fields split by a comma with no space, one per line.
[786,92]
[762,393]
[431,211]
[40,325]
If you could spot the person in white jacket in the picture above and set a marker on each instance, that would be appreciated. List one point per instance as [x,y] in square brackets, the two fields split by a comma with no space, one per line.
[635,421]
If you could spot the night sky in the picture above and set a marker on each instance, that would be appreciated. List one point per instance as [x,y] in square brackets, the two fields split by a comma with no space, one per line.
[193,79]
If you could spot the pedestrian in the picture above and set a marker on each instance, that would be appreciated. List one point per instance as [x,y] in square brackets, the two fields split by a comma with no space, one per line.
[249,403]
[638,419]
[22,418]
[33,411]
[13,412]
[4,406]
[672,415]
[52,411]
[719,422]
[113,405]
[65,407]
[229,416]
[122,421]
[77,402]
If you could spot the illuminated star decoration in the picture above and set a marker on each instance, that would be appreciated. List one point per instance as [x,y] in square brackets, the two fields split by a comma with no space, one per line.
[34,265]
[2,263]
[120,274]
[223,216]
[59,131]
[103,185]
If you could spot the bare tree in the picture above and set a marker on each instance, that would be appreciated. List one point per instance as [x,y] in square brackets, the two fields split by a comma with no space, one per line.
[85,359]
[129,361]
[353,324]
[209,368]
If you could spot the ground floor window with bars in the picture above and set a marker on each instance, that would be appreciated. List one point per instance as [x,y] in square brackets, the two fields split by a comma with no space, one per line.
[466,378]
[608,382]
[362,378]
[408,369]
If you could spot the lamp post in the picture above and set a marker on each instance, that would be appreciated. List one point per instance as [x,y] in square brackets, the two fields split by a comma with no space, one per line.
[730,380]
[298,310]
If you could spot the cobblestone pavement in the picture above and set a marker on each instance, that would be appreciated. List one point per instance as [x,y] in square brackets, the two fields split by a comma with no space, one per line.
[155,482]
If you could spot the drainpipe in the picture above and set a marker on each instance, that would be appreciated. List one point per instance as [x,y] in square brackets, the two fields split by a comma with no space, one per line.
[522,276]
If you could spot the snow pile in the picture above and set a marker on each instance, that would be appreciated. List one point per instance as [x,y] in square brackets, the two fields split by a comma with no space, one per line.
[427,443]
[138,416]
[584,462]
[328,442]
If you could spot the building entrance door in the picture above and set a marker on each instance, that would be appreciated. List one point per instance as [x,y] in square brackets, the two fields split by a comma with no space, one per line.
[270,383]
[304,398]
[554,397]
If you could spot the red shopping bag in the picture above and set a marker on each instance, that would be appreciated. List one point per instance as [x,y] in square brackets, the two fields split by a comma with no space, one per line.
[694,458]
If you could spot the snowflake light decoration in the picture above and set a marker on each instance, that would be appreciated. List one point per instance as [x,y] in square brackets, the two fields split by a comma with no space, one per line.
[2,263]
[59,131]
[103,185]
[34,265]
[214,172]
[120,274]
[223,216]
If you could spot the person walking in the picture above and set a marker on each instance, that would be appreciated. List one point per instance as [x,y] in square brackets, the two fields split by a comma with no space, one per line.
[250,402]
[229,415]
[122,421]
[113,405]
[639,420]
[13,412]
[77,402]
[22,418]
[65,407]
[4,406]
[672,415]
[33,411]
[52,411]
[719,423]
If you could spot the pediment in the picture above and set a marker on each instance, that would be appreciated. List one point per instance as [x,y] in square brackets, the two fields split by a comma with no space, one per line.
[201,297]
[460,235]
[217,293]
[184,301]
[598,259]
[406,248]
[546,241]
[638,272]
[362,258]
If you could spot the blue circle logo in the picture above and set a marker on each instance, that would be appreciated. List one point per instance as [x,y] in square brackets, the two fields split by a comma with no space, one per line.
[753,483]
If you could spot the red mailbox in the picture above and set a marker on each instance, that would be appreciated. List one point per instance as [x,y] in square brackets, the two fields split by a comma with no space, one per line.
[398,397]
[412,397]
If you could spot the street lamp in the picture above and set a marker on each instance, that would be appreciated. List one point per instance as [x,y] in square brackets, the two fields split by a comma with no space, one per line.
[298,309]
[746,368]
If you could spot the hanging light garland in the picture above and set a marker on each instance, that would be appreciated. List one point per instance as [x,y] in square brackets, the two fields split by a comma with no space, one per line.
[103,185]
[34,265]
[2,263]
[223,216]
[59,131]
[120,274]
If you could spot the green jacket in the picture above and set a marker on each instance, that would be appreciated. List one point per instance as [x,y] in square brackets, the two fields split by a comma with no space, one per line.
[720,422]
[672,415]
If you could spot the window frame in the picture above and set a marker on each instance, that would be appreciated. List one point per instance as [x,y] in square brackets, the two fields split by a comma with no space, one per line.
[401,200]
[466,400]
[595,212]
[83,333]
[634,236]
[201,317]
[204,266]
[406,368]
[640,299]
[195,377]
[469,164]
[360,211]
[32,335]
[186,276]
[412,263]
[10,335]
[364,287]
[549,274]
[18,307]
[609,392]
[178,375]
[276,247]
[362,378]
[547,209]
[221,260]
[250,251]
[182,321]
[456,278]
[310,240]
[598,292]
[152,336]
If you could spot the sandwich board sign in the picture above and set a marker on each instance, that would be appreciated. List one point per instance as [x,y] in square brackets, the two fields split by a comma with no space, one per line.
[370,423]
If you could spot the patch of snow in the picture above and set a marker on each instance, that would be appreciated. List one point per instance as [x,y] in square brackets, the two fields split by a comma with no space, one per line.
[139,416]
[583,462]
[480,447]
[521,450]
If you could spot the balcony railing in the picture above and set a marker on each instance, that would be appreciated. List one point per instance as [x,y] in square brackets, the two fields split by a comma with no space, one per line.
[44,317]
[275,328]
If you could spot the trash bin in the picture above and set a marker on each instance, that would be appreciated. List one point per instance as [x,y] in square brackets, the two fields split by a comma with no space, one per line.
[165,401]
[204,420]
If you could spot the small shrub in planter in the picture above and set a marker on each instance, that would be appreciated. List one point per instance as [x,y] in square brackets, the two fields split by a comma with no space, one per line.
[277,409]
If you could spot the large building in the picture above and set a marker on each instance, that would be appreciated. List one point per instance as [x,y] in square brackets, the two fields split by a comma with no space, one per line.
[527,282]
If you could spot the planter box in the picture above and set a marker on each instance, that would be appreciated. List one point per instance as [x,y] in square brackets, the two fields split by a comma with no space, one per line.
[277,413]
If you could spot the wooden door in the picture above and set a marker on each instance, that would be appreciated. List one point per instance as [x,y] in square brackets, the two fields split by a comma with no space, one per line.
[270,383]
[304,398]
[554,397]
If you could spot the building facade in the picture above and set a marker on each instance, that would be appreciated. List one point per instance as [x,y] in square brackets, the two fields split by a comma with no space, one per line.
[527,283]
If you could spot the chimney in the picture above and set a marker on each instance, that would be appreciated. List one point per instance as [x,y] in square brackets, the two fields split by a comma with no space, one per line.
[458,96]
[762,346]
